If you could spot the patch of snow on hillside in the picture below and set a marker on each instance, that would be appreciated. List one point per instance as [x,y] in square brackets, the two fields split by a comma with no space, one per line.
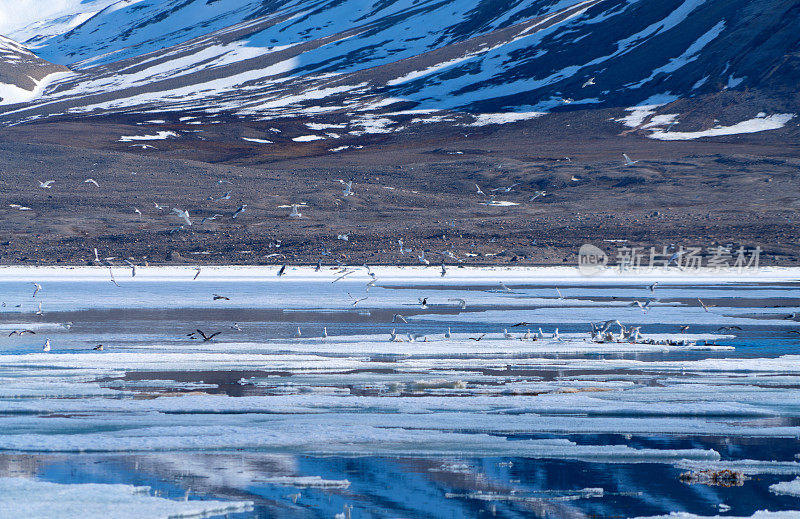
[503,118]
[757,124]
[307,138]
[157,137]
[11,94]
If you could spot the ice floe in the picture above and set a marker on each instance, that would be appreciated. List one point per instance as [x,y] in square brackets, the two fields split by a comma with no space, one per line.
[99,501]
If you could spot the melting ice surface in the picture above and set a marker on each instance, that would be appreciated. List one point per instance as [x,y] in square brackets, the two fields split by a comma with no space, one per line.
[261,422]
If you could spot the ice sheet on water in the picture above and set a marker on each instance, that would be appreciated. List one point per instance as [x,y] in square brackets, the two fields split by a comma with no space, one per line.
[99,501]
[761,514]
[789,488]
[305,482]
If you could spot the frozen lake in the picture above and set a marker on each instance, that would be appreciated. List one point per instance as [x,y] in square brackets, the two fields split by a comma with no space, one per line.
[261,422]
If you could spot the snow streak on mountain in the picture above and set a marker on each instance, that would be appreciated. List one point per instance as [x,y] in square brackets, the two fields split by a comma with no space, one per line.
[299,58]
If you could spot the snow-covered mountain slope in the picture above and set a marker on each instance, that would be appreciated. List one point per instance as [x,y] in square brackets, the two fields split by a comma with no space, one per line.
[289,58]
[23,76]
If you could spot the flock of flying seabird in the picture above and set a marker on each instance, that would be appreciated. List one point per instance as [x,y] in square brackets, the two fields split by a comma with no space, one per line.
[600,332]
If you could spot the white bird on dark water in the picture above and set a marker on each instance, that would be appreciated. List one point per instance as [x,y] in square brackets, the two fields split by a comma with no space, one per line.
[91,181]
[295,213]
[47,184]
[422,259]
[589,82]
[537,194]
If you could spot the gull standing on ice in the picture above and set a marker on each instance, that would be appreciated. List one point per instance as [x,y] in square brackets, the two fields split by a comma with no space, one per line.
[447,335]
[46,345]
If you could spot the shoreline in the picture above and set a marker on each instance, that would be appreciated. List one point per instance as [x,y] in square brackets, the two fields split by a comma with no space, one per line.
[455,274]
